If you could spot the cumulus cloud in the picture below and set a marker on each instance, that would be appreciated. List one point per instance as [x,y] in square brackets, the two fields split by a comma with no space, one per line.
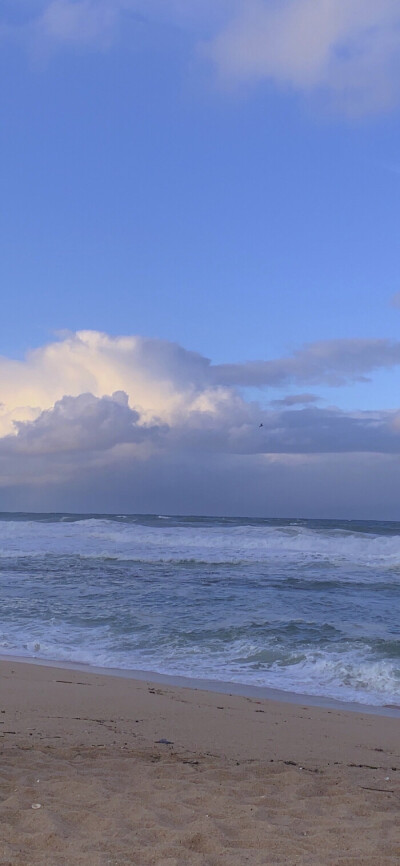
[95,409]
[349,49]
[161,377]
[78,434]
[168,382]
[80,423]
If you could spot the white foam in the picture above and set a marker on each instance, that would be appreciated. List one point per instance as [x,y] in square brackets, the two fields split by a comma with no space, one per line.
[234,622]
[214,544]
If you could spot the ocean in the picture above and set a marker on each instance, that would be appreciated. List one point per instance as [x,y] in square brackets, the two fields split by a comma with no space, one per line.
[305,606]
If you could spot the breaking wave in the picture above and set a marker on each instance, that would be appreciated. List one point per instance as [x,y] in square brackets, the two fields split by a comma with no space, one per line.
[307,606]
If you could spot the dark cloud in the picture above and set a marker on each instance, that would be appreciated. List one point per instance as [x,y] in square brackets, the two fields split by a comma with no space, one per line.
[341,485]
[318,431]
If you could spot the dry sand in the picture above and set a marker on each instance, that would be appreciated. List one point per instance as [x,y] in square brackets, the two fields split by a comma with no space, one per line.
[239,782]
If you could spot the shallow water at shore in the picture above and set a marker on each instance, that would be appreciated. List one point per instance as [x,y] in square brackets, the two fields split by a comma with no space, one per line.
[306,606]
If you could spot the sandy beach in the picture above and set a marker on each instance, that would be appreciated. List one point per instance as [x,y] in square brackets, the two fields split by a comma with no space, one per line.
[103,770]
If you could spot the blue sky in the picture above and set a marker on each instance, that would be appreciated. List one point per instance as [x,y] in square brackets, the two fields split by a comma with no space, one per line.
[173,171]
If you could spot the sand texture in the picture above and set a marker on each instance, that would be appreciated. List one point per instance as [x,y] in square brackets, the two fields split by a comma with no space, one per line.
[238,781]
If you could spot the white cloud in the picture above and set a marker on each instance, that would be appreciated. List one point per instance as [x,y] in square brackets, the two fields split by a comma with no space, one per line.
[348,49]
[169,384]
[116,419]
[54,400]
[162,378]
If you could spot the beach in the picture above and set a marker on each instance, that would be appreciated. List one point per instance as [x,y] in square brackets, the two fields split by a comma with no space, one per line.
[99,769]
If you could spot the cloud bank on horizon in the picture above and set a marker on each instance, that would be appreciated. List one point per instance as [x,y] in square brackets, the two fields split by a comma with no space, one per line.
[347,50]
[98,410]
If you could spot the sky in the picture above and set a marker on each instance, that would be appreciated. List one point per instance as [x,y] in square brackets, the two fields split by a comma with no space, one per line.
[199,247]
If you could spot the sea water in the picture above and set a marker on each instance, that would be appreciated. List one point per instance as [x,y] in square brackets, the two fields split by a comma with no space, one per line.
[307,606]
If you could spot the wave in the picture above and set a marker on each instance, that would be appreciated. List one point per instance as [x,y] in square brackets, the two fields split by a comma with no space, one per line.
[310,607]
[341,676]
[216,544]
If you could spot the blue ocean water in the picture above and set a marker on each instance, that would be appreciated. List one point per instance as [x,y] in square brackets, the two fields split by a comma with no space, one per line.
[302,605]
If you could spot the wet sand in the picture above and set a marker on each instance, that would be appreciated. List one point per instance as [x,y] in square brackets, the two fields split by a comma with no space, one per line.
[131,772]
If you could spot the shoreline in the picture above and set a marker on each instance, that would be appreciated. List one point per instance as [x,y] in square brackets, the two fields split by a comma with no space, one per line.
[224,687]
[250,727]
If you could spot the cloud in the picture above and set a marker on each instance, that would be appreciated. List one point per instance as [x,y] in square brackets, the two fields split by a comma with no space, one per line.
[78,434]
[83,423]
[91,412]
[289,432]
[168,383]
[318,431]
[177,400]
[162,378]
[347,49]
[234,426]
[330,362]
